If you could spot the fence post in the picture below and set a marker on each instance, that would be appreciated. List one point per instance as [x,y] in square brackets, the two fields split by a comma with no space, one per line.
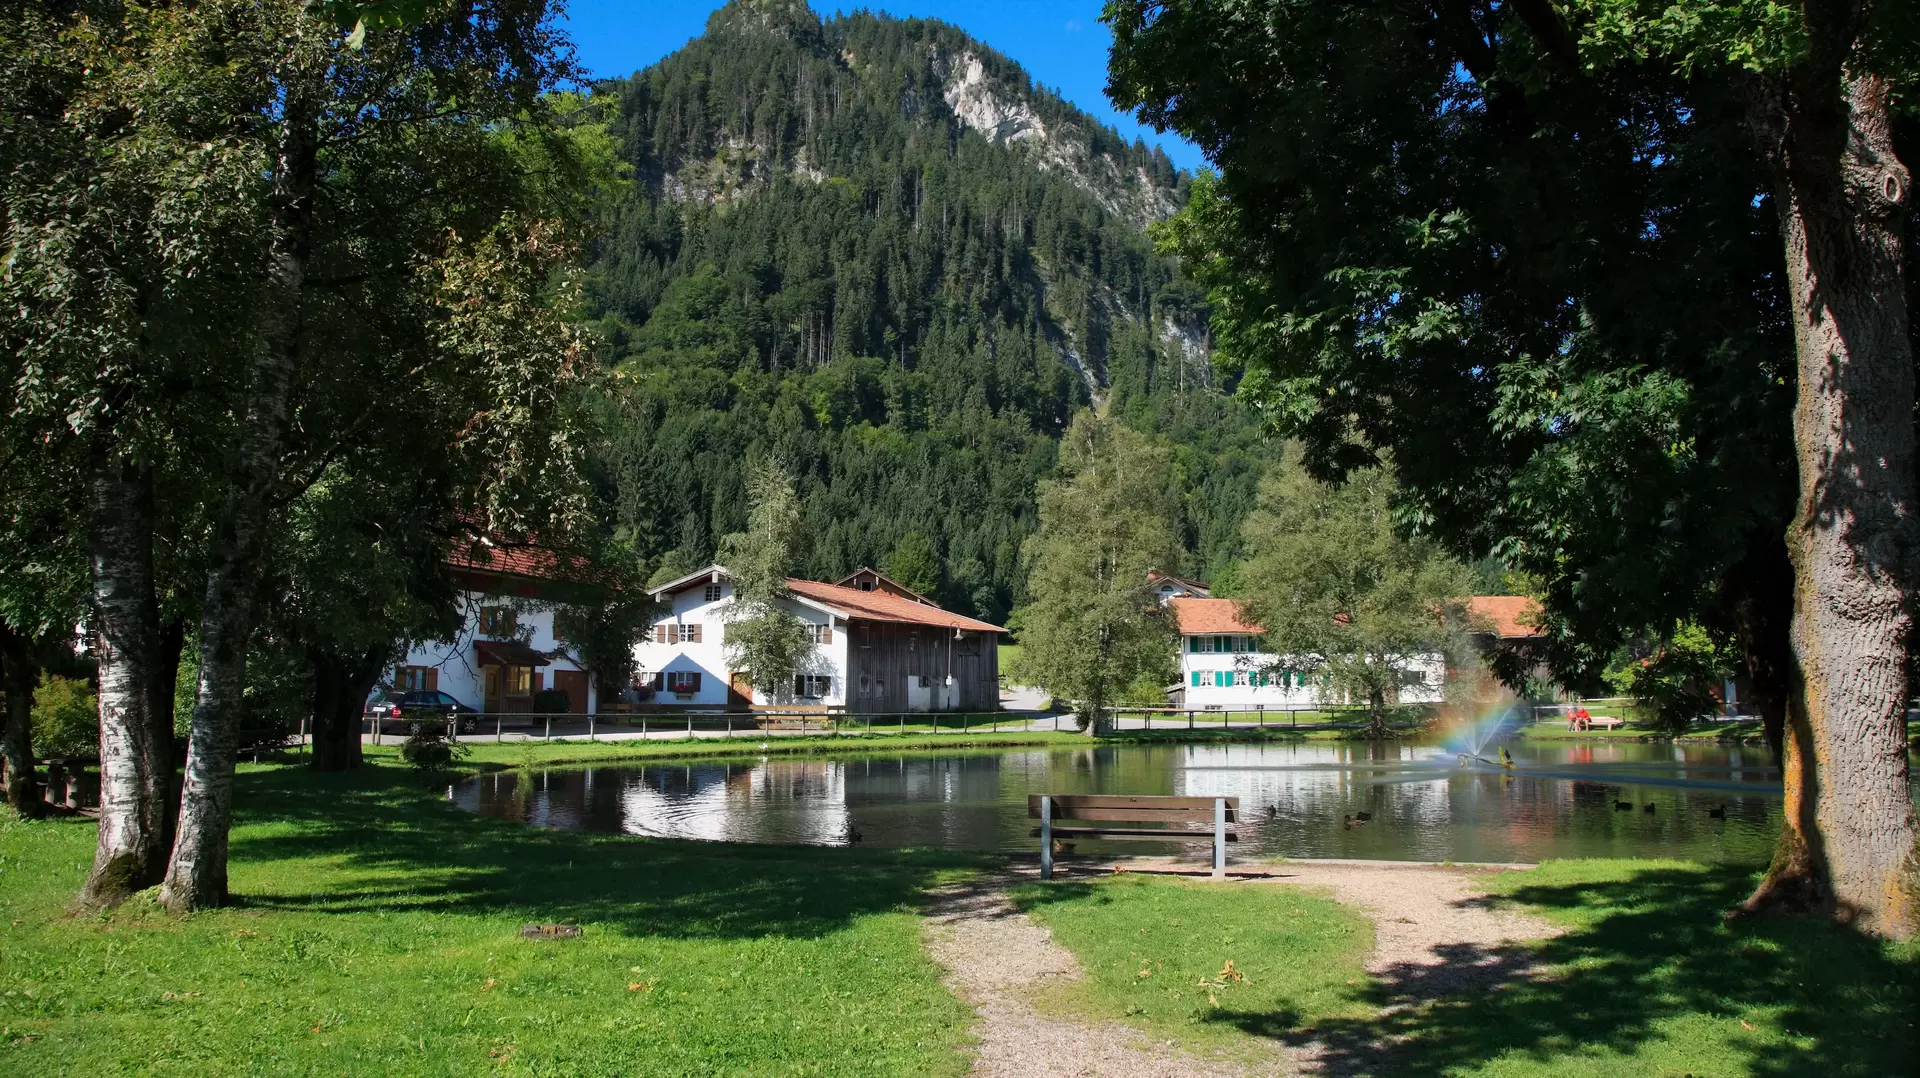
[592,733]
[549,735]
[1046,837]
[689,725]
[729,724]
[1219,838]
[643,726]
[1189,719]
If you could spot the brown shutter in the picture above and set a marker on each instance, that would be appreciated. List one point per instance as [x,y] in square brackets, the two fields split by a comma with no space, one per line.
[433,679]
[694,629]
[826,633]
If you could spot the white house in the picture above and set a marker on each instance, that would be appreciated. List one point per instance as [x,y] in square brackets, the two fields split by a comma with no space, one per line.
[877,648]
[506,650]
[1167,587]
[1222,665]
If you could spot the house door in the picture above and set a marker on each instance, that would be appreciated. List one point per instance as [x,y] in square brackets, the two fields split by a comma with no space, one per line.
[739,688]
[495,704]
[574,684]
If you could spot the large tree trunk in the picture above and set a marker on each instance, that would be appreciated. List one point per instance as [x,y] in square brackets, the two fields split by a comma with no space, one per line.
[197,874]
[135,767]
[19,676]
[340,688]
[1849,844]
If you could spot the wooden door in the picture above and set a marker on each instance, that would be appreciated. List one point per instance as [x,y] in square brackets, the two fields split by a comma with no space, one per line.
[574,684]
[739,688]
[495,704]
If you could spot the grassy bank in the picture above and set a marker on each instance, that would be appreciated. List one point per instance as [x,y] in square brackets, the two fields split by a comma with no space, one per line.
[485,754]
[377,934]
[1647,979]
[1213,967]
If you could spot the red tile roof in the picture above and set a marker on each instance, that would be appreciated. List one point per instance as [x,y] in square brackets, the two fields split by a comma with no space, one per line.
[1210,616]
[882,606]
[530,561]
[1511,617]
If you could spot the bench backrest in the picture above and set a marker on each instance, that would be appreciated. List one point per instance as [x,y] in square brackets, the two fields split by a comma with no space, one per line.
[1133,808]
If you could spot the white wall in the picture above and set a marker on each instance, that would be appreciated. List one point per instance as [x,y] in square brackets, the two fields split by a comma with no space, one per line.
[1244,695]
[690,606]
[458,662]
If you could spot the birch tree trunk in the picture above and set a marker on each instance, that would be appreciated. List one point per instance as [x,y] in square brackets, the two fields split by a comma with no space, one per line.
[1849,844]
[19,676]
[135,768]
[197,874]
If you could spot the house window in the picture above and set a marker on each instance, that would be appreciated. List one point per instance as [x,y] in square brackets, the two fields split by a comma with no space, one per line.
[866,585]
[819,634]
[520,681]
[713,593]
[668,633]
[866,685]
[416,678]
[683,681]
[811,686]
[497,621]
[1239,677]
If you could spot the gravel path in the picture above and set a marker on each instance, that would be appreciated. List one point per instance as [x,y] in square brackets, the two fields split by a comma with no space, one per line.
[1434,936]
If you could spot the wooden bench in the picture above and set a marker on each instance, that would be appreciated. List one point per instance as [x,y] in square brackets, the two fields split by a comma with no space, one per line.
[1604,722]
[1173,815]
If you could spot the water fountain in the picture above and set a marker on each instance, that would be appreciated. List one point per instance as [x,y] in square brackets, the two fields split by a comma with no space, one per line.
[1470,745]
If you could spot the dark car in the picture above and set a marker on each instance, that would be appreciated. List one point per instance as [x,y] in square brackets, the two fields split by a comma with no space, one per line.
[423,705]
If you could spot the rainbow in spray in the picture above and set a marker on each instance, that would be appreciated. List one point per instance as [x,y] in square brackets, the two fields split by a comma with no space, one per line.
[1477,731]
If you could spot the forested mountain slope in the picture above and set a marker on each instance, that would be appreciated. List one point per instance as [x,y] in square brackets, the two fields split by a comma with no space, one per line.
[873,248]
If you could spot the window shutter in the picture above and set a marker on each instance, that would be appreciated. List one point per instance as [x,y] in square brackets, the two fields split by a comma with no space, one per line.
[695,630]
[693,682]
[826,633]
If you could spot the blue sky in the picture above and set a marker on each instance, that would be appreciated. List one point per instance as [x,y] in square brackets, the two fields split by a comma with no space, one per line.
[1061,43]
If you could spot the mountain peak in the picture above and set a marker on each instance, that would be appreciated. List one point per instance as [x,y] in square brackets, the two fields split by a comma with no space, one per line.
[791,19]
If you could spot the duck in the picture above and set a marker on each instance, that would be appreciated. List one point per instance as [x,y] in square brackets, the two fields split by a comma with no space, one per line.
[1363,817]
[1623,806]
[1718,813]
[854,836]
[1350,822]
[1272,811]
[1060,847]
[1647,808]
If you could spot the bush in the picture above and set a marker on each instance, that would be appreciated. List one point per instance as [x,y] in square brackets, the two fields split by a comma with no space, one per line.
[554,701]
[66,717]
[1675,681]
[428,749]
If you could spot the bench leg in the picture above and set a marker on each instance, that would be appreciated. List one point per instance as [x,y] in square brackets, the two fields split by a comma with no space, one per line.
[1046,838]
[1219,838]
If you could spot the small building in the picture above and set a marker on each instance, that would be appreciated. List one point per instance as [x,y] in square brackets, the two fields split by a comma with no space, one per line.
[877,648]
[1224,665]
[1168,587]
[506,650]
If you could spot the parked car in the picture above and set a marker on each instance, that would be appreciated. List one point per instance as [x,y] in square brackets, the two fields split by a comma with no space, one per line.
[423,705]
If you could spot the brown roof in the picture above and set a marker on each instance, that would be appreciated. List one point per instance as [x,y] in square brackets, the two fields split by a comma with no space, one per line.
[1154,576]
[529,561]
[1511,617]
[884,606]
[1210,616]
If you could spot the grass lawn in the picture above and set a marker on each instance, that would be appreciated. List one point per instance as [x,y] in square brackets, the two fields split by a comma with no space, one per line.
[376,934]
[1156,952]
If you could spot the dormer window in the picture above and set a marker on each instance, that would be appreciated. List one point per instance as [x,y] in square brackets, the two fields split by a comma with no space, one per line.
[713,593]
[497,621]
[866,585]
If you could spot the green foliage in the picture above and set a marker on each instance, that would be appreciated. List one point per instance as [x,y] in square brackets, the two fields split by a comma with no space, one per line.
[1676,679]
[763,638]
[914,564]
[428,747]
[66,717]
[819,263]
[1342,595]
[1093,627]
[1598,395]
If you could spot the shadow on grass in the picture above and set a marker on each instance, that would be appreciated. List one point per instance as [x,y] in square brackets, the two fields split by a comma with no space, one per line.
[379,840]
[1649,949]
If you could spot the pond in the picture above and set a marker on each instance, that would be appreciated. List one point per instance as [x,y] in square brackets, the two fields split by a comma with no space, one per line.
[1560,799]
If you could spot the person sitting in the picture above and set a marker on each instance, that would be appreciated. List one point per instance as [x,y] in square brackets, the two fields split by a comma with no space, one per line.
[1580,719]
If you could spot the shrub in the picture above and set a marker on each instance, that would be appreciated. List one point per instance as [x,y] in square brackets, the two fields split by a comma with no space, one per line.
[428,749]
[66,717]
[555,701]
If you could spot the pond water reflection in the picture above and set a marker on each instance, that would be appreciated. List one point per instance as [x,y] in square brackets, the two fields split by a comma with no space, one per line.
[1560,800]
